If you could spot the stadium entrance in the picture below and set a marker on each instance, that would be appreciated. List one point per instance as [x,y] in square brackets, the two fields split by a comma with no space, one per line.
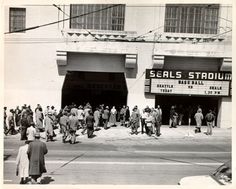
[94,87]
[187,105]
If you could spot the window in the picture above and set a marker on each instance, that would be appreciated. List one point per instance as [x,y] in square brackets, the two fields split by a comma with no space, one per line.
[191,18]
[17,19]
[109,19]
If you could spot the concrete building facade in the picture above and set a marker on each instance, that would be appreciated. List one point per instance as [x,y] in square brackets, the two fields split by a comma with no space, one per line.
[142,64]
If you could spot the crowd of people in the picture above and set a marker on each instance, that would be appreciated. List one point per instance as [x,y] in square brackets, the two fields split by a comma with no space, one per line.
[70,119]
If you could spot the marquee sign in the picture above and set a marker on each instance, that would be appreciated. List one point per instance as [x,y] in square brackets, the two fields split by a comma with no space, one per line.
[188,82]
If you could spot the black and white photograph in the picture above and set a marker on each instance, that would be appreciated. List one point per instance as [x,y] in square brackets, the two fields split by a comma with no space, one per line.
[113,93]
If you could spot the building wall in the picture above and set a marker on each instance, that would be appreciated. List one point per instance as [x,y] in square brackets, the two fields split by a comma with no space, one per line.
[31,78]
[32,75]
[224,115]
[30,72]
[135,86]
[153,17]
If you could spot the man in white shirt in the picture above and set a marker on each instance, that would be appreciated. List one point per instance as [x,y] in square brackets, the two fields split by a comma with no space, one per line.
[31,132]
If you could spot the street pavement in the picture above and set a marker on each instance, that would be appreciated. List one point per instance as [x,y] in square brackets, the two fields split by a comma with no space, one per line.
[116,157]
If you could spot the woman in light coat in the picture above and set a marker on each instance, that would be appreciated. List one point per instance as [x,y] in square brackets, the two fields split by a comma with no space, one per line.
[49,127]
[198,117]
[96,118]
[22,163]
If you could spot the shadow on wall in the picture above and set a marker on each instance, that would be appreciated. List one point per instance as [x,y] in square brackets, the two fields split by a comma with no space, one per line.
[6,157]
[131,72]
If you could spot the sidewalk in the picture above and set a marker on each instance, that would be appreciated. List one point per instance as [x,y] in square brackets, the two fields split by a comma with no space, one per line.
[122,135]
[179,134]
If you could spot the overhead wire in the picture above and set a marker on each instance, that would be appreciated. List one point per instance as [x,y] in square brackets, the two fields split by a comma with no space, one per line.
[205,40]
[135,38]
[75,20]
[225,19]
[35,27]
[143,41]
[56,22]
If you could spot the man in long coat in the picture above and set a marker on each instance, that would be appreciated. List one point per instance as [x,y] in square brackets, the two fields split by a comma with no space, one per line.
[105,117]
[73,125]
[64,120]
[90,124]
[158,120]
[134,120]
[17,116]
[122,115]
[39,118]
[36,151]
[24,126]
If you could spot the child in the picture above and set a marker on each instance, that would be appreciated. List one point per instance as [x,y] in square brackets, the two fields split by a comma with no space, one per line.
[22,163]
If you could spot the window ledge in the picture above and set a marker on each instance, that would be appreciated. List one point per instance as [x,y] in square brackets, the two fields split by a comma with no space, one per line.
[100,34]
[192,36]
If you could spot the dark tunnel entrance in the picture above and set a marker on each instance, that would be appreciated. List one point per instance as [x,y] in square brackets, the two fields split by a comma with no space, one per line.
[187,105]
[94,87]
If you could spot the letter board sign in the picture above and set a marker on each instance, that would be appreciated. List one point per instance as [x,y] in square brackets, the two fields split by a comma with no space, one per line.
[188,82]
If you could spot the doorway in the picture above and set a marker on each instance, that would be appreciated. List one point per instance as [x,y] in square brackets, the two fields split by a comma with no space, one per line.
[187,105]
[94,87]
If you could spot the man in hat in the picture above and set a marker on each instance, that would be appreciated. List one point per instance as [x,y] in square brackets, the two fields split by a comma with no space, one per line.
[64,120]
[54,116]
[36,151]
[73,124]
[134,119]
